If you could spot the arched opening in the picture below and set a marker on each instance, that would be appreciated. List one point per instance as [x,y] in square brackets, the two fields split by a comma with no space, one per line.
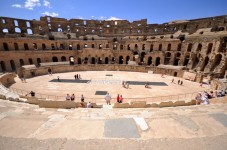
[158,61]
[136,47]
[5,30]
[149,61]
[114,47]
[17,30]
[195,62]
[209,48]
[16,47]
[107,46]
[28,24]
[12,64]
[78,46]
[15,23]
[179,47]
[26,46]
[92,45]
[151,47]
[63,58]
[216,62]
[52,46]
[186,60]
[21,62]
[85,60]
[143,47]
[30,61]
[79,60]
[121,47]
[160,47]
[142,55]
[71,60]
[59,29]
[70,47]
[99,60]
[189,49]
[176,60]
[199,48]
[43,46]
[85,45]
[92,60]
[100,46]
[167,58]
[128,47]
[106,60]
[204,64]
[54,59]
[127,59]
[35,46]
[5,46]
[62,46]
[3,66]
[29,31]
[38,61]
[169,47]
[121,60]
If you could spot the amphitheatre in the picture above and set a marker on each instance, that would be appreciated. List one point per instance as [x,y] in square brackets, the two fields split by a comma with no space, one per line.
[45,55]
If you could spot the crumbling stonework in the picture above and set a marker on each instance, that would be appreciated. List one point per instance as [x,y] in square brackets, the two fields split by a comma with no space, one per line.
[198,44]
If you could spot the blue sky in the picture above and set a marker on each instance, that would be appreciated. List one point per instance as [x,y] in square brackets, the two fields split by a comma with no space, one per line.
[155,11]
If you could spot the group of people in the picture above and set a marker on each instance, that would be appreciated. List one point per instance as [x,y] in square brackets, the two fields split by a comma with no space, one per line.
[125,84]
[147,85]
[180,82]
[204,98]
[72,97]
[77,76]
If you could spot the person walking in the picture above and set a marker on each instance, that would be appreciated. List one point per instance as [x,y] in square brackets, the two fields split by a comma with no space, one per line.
[108,98]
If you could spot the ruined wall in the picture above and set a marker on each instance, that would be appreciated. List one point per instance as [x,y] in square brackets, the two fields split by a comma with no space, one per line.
[198,44]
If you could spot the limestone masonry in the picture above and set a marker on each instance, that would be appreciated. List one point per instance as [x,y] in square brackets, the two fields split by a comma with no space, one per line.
[198,44]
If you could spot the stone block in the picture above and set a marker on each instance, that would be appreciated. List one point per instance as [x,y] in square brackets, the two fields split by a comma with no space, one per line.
[179,103]
[166,104]
[57,104]
[138,104]
[121,105]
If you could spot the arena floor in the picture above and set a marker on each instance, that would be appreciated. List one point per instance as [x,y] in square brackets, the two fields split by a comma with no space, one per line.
[162,88]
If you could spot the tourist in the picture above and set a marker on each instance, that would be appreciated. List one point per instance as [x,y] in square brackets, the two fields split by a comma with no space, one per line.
[118,98]
[206,100]
[181,83]
[89,105]
[68,97]
[108,98]
[75,77]
[82,98]
[127,85]
[173,80]
[198,98]
[49,72]
[178,81]
[201,84]
[123,84]
[79,77]
[58,79]
[73,97]
[32,94]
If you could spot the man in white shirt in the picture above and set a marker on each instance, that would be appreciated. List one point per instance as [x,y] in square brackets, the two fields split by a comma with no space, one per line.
[108,98]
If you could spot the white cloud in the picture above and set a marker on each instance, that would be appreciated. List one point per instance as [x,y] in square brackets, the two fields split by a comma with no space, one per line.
[113,18]
[53,14]
[46,3]
[30,4]
[16,5]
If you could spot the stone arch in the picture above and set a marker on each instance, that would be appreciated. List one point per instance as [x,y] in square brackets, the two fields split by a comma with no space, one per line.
[149,61]
[78,46]
[16,47]
[195,61]
[5,30]
[216,62]
[167,58]
[26,46]
[142,56]
[3,66]
[127,59]
[38,61]
[121,60]
[199,47]
[151,47]
[29,31]
[79,60]
[5,46]
[128,47]
[157,61]
[17,30]
[169,47]
[160,47]
[121,47]
[136,47]
[21,62]
[189,49]
[30,61]
[106,60]
[204,64]
[63,58]
[179,47]
[12,64]
[176,59]
[85,60]
[43,46]
[209,48]
[186,60]
[93,60]
[54,59]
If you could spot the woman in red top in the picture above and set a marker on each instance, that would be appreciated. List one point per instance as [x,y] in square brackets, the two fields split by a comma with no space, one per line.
[118,98]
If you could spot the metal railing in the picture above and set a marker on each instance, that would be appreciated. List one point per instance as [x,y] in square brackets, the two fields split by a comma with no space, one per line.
[183,97]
